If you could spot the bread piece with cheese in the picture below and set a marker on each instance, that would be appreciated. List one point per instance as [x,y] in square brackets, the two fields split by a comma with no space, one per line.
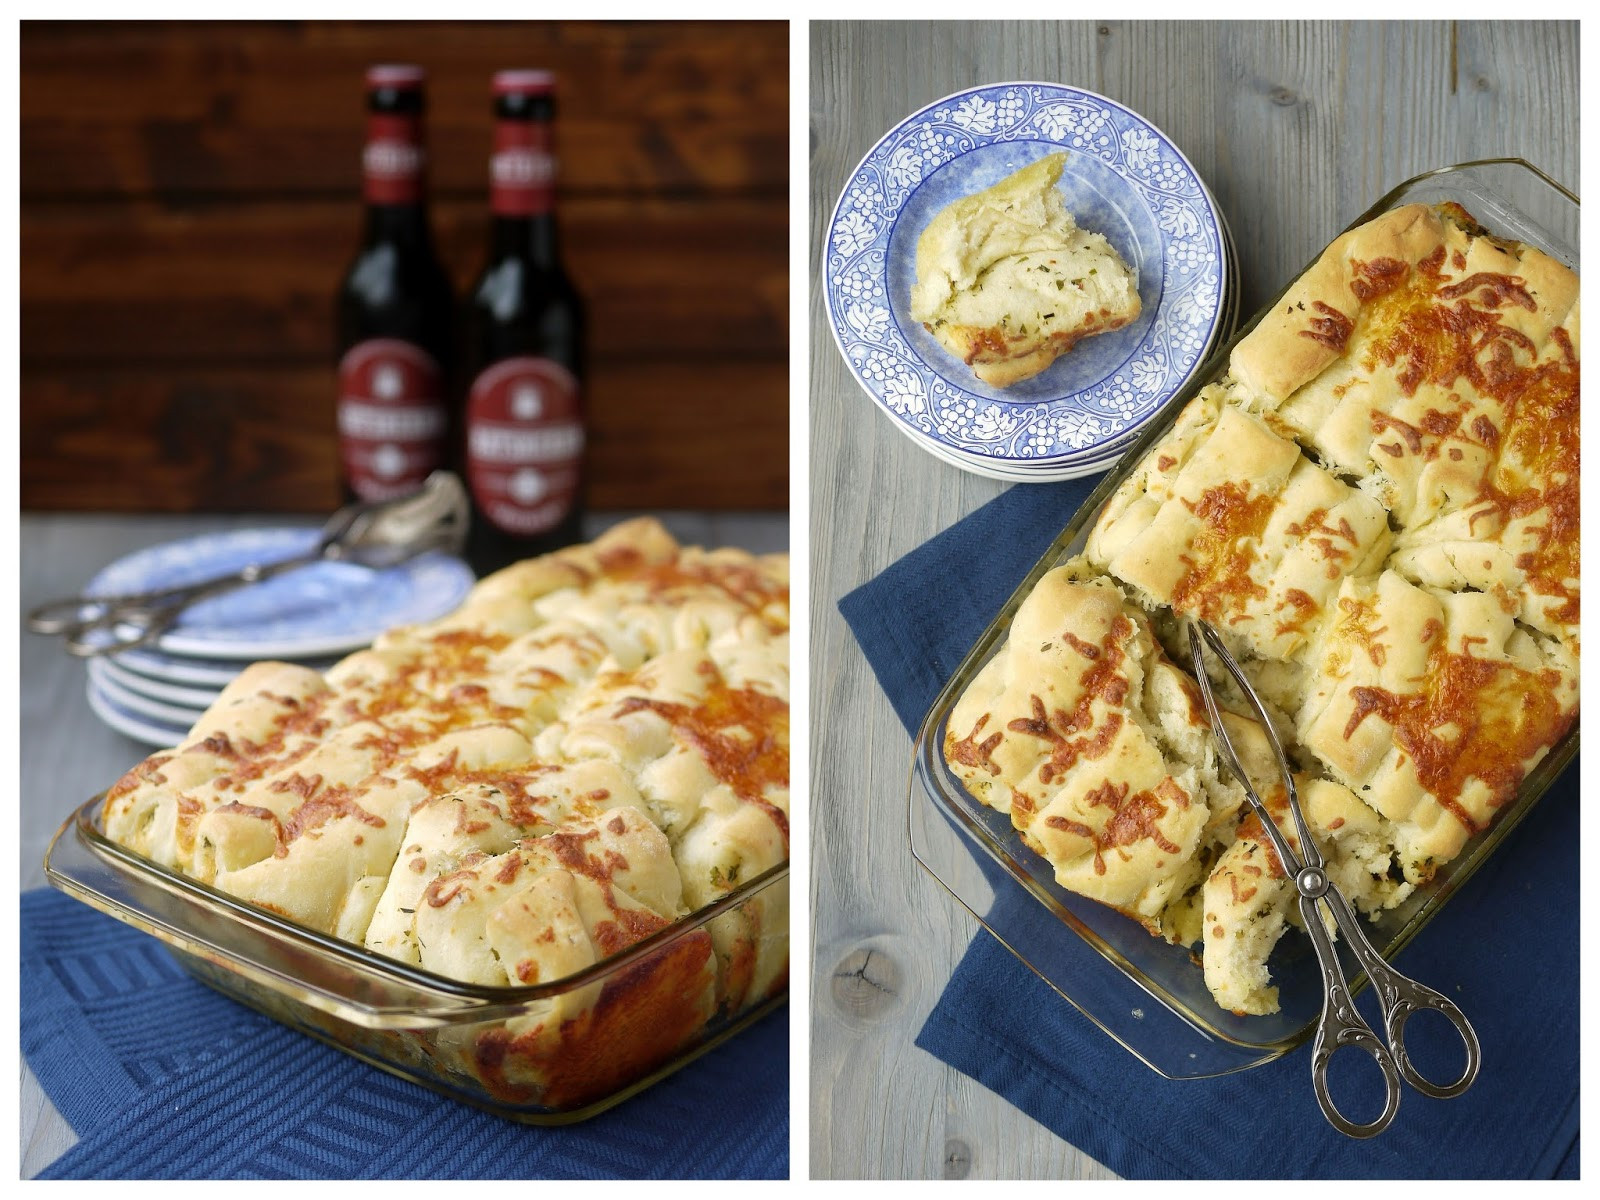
[1098,747]
[1250,902]
[1438,366]
[1432,706]
[1008,282]
[1227,520]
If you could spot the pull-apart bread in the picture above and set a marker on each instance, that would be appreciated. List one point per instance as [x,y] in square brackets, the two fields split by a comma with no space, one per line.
[1377,506]
[592,746]
[1008,282]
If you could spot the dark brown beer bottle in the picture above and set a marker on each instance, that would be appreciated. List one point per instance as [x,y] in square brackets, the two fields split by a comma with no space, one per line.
[524,428]
[396,331]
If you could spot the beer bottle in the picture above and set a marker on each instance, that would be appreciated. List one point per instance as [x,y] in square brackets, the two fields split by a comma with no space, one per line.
[396,331]
[524,429]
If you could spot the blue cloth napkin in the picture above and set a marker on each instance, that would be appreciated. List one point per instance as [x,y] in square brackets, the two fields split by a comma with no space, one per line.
[163,1078]
[1508,941]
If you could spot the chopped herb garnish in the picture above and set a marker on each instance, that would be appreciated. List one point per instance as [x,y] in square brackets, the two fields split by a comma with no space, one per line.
[1060,283]
[1047,316]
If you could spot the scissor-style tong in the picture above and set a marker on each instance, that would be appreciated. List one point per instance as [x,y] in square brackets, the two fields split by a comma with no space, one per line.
[1341,1024]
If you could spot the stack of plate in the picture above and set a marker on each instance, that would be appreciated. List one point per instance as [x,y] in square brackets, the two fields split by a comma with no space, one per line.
[311,616]
[1122,178]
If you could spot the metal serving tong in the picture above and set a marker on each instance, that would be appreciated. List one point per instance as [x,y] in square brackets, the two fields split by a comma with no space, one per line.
[1399,997]
[383,534]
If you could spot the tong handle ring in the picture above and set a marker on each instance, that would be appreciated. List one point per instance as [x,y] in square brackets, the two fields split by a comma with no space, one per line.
[66,615]
[1342,1027]
[1404,998]
[124,625]
[1337,1032]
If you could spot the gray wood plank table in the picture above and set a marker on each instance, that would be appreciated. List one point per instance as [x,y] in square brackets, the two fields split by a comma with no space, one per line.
[1297,128]
[68,755]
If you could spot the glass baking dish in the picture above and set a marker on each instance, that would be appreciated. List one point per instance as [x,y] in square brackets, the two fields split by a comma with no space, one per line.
[1152,997]
[628,1021]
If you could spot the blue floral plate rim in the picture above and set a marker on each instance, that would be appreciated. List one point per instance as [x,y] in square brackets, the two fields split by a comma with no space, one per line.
[918,388]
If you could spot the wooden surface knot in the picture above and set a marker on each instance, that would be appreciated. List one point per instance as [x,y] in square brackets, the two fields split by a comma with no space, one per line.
[957,1159]
[866,983]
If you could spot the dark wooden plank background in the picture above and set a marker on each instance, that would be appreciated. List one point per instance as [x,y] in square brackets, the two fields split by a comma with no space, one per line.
[191,197]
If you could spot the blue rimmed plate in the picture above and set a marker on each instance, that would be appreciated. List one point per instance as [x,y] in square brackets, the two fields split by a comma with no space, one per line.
[1122,178]
[325,608]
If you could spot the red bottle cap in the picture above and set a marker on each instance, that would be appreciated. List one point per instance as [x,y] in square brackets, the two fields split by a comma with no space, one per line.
[524,83]
[395,75]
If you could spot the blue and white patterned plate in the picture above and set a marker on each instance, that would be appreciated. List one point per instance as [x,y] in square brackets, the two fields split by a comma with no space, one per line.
[1122,178]
[325,608]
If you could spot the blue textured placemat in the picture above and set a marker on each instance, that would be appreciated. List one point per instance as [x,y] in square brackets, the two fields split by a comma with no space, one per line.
[1508,940]
[163,1078]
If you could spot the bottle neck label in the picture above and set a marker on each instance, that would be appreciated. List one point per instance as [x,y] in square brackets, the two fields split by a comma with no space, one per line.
[522,169]
[393,424]
[525,441]
[394,163]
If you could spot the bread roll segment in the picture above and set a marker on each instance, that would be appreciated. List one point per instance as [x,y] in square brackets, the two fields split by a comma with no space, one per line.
[1008,282]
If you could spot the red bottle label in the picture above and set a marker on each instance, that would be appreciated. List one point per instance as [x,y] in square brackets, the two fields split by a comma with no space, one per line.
[522,170]
[393,164]
[524,444]
[392,418]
